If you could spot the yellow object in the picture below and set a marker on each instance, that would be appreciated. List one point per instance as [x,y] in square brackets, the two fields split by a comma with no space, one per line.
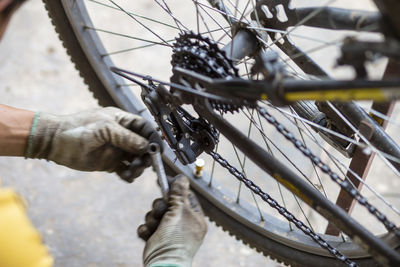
[293,189]
[20,243]
[353,94]
[264,97]
[199,166]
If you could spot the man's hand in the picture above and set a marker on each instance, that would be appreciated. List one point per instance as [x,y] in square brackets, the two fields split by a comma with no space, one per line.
[180,232]
[104,139]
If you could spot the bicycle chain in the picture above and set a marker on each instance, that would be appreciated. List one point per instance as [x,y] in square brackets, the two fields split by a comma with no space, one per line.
[391,227]
[282,210]
[197,53]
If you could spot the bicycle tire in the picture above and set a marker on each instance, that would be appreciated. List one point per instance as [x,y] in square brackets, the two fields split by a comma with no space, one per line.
[89,64]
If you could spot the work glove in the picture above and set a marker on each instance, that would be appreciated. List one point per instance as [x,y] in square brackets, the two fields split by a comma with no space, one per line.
[180,232]
[105,139]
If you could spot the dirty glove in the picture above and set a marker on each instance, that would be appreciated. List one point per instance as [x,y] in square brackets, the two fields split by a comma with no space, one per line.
[105,139]
[181,231]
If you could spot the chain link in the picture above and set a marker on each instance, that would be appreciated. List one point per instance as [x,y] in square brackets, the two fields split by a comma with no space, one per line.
[282,210]
[345,185]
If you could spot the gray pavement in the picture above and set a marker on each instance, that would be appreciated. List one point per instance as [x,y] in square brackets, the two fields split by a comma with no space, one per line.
[86,219]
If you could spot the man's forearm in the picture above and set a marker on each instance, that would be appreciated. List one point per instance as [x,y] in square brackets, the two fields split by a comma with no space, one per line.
[15,126]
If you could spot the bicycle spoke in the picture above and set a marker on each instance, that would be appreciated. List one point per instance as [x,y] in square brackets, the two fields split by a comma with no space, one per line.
[385,157]
[204,21]
[242,166]
[305,19]
[315,169]
[224,14]
[384,117]
[135,19]
[316,49]
[310,38]
[136,15]
[338,161]
[279,150]
[169,12]
[165,43]
[244,11]
[150,45]
[278,184]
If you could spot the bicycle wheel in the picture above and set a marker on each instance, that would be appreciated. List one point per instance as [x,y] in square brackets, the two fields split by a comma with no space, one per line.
[83,27]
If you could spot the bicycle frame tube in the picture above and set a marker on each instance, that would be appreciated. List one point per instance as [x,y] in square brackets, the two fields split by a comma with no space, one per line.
[289,91]
[376,247]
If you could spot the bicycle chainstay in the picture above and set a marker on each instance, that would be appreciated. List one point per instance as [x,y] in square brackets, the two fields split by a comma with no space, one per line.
[200,54]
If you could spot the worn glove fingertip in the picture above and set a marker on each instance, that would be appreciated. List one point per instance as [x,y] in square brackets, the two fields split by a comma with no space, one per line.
[160,207]
[180,185]
[194,202]
[126,175]
[143,232]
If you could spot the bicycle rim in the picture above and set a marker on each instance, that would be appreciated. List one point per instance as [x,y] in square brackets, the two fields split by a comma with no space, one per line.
[242,218]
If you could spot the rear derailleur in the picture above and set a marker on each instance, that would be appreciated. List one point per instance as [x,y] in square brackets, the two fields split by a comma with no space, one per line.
[186,135]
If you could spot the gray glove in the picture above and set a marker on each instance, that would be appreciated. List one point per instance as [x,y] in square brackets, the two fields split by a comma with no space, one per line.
[105,139]
[181,231]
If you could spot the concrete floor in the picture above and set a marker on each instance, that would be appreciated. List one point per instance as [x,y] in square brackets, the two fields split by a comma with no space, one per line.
[86,219]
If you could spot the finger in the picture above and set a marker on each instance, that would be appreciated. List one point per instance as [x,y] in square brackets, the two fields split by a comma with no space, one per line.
[147,161]
[143,232]
[137,124]
[151,222]
[178,193]
[180,186]
[123,171]
[137,167]
[130,175]
[149,216]
[124,139]
[160,207]
[126,175]
[144,128]
[194,202]
[132,167]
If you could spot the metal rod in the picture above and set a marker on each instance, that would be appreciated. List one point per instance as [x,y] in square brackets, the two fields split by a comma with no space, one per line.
[154,151]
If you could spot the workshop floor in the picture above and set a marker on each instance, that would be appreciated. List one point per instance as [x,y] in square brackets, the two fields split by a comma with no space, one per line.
[86,219]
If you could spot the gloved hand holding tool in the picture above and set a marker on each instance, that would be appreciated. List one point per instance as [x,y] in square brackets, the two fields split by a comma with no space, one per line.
[173,238]
[106,139]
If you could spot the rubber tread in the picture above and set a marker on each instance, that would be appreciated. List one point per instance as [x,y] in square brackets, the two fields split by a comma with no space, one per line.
[67,36]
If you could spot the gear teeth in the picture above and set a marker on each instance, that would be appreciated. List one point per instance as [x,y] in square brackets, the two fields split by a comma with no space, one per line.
[194,52]
[224,107]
